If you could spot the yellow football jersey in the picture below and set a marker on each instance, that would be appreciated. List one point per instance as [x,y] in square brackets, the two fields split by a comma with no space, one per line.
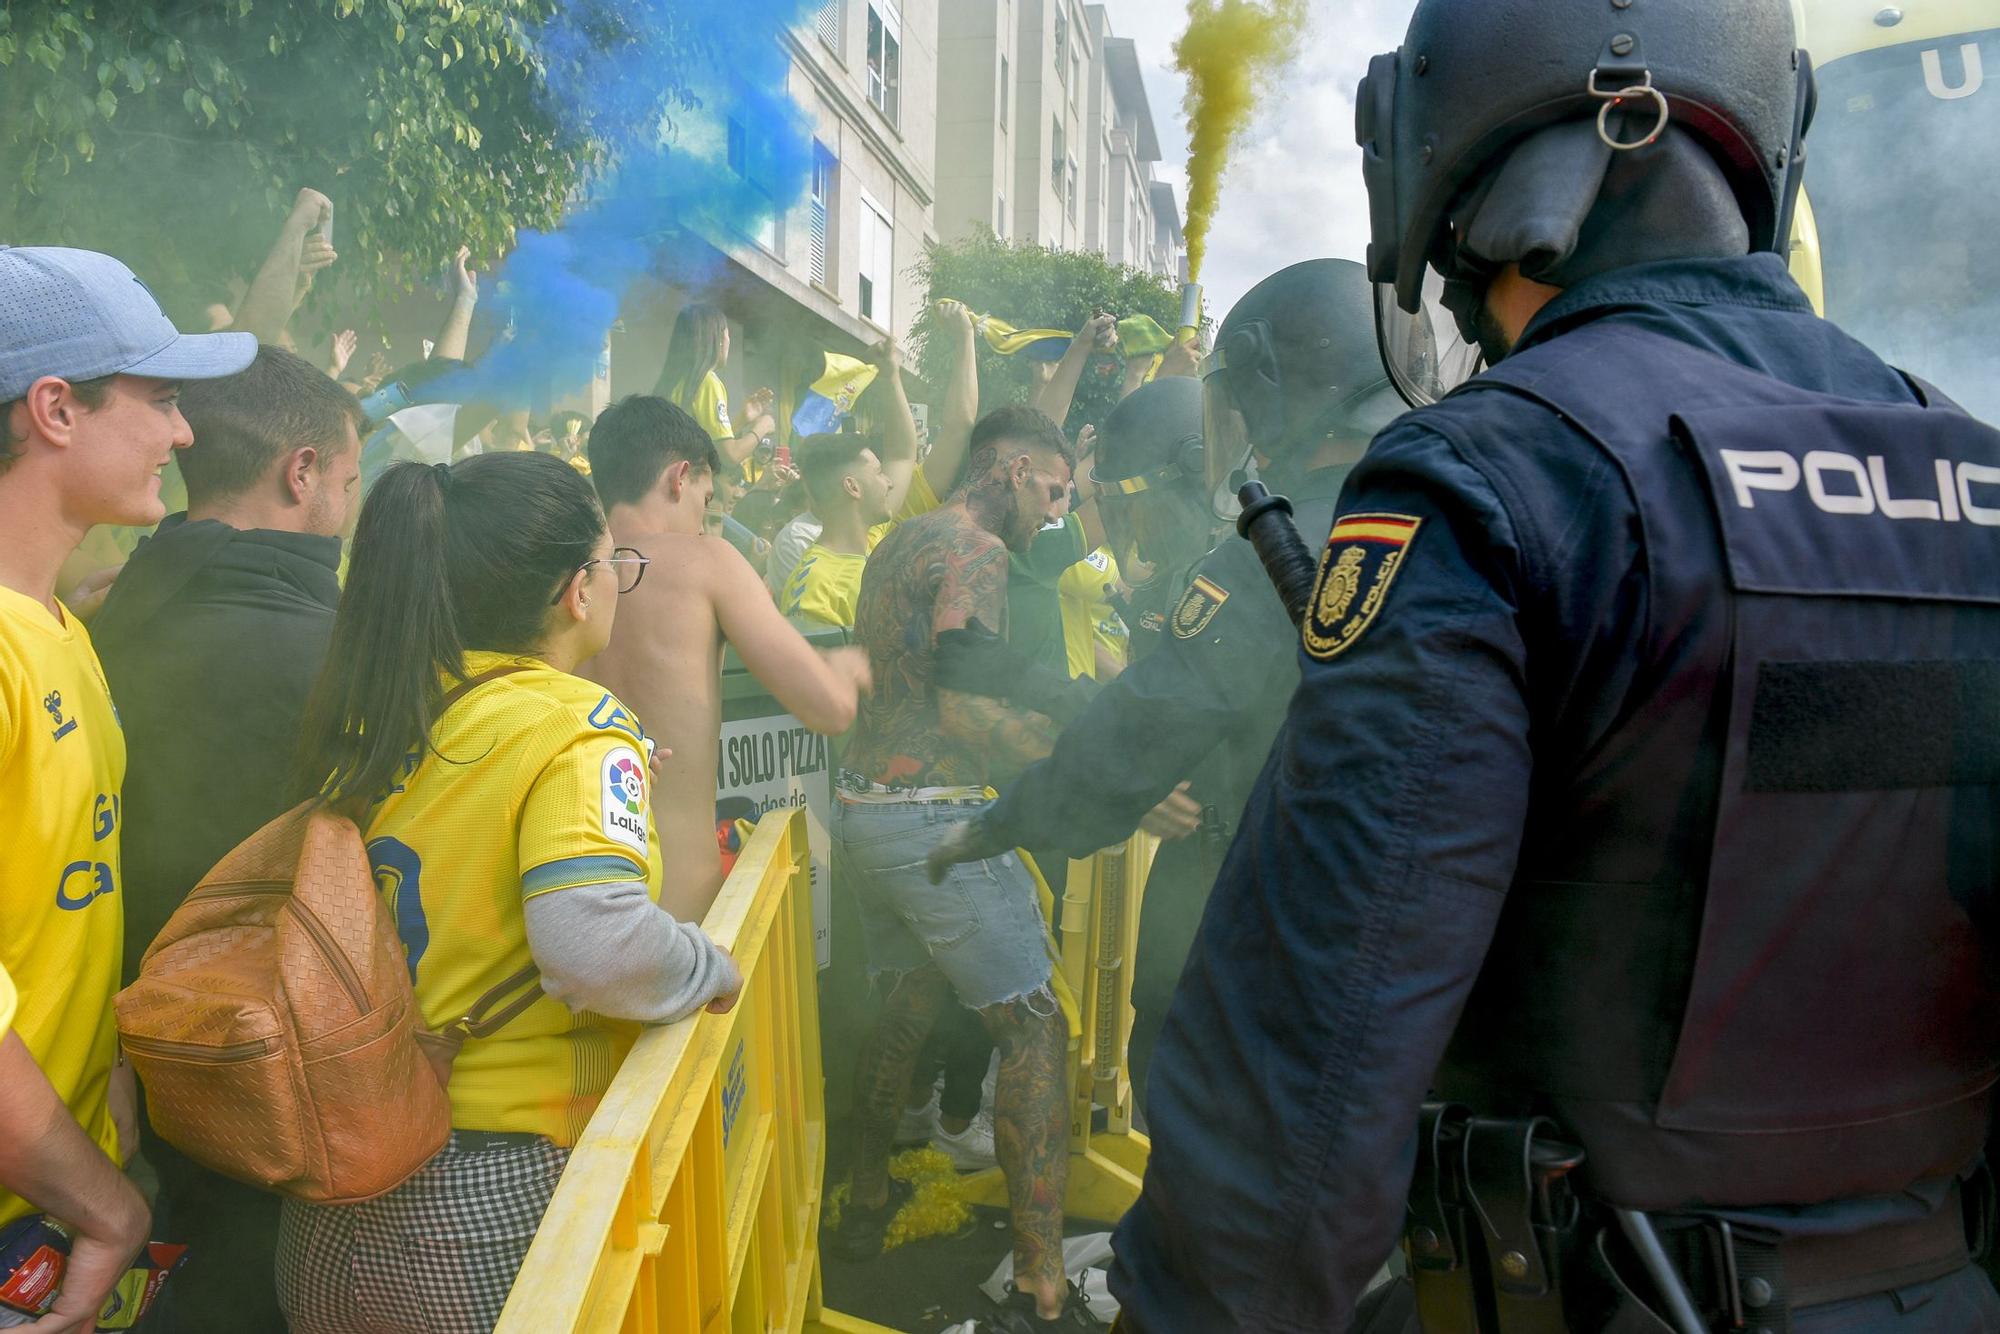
[62,765]
[1088,618]
[825,586]
[6,1002]
[710,408]
[536,782]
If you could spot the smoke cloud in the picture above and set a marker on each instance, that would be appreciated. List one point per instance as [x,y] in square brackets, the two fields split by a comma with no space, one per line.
[689,98]
[1230,51]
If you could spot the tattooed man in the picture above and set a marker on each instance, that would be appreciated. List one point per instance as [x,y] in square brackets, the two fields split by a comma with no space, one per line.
[951,709]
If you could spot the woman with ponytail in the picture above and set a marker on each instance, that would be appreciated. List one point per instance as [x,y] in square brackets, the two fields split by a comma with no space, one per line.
[692,380]
[505,804]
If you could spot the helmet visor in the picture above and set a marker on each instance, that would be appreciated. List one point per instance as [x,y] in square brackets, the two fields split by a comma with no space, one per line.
[1424,353]
[1226,449]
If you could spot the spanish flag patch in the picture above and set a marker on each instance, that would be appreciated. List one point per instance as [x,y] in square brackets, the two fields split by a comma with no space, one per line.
[1198,606]
[1361,559]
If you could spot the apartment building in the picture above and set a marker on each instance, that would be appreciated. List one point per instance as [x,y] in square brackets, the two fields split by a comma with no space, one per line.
[1045,134]
[834,272]
[928,117]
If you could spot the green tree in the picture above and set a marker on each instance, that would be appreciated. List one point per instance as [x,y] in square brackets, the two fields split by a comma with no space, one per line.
[175,134]
[1031,286]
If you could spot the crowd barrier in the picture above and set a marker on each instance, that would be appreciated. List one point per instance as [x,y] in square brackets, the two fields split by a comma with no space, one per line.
[691,1204]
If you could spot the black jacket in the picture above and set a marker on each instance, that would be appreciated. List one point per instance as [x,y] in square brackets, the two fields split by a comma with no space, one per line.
[211,640]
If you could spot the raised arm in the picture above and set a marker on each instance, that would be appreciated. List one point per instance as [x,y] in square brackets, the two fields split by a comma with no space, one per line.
[757,408]
[1099,335]
[457,330]
[281,280]
[951,441]
[899,424]
[822,690]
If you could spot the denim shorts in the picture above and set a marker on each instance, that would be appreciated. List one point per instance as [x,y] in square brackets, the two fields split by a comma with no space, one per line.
[982,925]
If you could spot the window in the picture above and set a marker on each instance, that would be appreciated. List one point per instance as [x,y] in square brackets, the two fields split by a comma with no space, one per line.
[1056,155]
[878,261]
[1000,217]
[1072,189]
[1075,73]
[828,21]
[821,208]
[1062,42]
[885,56]
[1004,99]
[751,159]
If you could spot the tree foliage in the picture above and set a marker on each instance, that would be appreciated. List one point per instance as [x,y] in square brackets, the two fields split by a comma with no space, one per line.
[1031,286]
[175,134]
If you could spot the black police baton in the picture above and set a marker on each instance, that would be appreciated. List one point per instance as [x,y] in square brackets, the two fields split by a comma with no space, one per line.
[1266,522]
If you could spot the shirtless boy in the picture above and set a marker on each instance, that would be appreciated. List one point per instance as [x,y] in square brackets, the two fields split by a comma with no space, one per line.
[655,470]
[936,728]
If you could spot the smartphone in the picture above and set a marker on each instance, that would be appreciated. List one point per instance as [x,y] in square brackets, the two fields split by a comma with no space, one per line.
[326,225]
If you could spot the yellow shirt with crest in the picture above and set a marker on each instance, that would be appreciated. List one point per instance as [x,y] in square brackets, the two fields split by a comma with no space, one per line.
[62,766]
[536,783]
[1089,620]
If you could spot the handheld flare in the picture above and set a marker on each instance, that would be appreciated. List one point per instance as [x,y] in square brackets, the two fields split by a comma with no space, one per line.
[1190,328]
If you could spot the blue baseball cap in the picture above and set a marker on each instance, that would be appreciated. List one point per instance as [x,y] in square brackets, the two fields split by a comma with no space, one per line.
[80,315]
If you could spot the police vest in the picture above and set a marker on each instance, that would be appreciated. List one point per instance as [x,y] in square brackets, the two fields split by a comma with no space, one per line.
[1801,1008]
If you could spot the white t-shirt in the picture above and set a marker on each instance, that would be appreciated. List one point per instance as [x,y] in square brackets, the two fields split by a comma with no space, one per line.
[787,547]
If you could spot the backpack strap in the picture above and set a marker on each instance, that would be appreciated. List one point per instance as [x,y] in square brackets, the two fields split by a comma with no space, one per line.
[483,1019]
[472,683]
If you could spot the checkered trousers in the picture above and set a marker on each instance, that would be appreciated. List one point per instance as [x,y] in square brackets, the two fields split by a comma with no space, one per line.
[436,1255]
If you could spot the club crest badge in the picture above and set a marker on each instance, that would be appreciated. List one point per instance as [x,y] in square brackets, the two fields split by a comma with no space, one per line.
[1197,607]
[1361,560]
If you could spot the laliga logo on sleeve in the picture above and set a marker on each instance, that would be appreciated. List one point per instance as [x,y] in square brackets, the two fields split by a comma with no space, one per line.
[624,798]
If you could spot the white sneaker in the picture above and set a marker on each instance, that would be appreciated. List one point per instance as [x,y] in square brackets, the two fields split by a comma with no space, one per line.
[971,1150]
[918,1124]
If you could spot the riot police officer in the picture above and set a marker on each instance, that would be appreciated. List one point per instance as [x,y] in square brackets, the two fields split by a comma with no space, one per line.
[1296,383]
[1636,798]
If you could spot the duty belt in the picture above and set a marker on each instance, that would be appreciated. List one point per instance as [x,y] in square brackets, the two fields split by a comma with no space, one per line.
[1500,1242]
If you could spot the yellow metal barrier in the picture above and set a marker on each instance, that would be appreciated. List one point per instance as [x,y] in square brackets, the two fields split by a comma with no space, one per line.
[1100,938]
[691,1204]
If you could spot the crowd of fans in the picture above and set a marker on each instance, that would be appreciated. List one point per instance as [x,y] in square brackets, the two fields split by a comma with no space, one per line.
[455,623]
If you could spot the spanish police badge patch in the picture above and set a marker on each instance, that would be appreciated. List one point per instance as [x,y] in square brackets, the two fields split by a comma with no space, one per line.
[1360,562]
[1198,606]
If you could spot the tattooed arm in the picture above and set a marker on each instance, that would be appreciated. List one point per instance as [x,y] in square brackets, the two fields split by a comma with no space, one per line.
[971,596]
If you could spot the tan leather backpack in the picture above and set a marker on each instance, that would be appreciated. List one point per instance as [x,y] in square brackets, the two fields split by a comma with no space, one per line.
[274,1026]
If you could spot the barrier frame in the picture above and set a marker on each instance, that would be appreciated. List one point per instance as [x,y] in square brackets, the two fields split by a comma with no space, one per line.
[691,1203]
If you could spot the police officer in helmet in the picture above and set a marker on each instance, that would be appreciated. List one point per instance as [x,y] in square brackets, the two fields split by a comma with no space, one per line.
[1611,922]
[1295,378]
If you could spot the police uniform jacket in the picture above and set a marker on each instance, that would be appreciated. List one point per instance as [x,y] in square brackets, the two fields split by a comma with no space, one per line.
[1202,705]
[1651,692]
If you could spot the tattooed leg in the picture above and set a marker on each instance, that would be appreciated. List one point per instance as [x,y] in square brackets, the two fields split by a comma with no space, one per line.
[1031,1138]
[883,1075]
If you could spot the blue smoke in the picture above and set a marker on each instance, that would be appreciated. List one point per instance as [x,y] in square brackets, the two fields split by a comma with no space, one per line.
[689,99]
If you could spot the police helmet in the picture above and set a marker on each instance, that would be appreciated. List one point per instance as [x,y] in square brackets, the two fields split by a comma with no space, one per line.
[1295,362]
[1152,439]
[1149,459]
[1475,77]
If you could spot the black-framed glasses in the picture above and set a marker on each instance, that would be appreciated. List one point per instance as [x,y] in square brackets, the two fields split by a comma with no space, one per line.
[627,562]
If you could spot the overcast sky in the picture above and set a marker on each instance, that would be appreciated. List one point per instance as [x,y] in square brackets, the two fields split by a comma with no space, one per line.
[1293,189]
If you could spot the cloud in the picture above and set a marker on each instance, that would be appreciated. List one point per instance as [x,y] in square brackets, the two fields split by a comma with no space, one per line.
[1293,190]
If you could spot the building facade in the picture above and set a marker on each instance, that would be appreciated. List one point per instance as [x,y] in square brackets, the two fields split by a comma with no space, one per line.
[929,118]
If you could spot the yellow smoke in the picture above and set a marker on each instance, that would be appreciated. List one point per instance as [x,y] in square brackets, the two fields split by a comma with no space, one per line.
[1230,48]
